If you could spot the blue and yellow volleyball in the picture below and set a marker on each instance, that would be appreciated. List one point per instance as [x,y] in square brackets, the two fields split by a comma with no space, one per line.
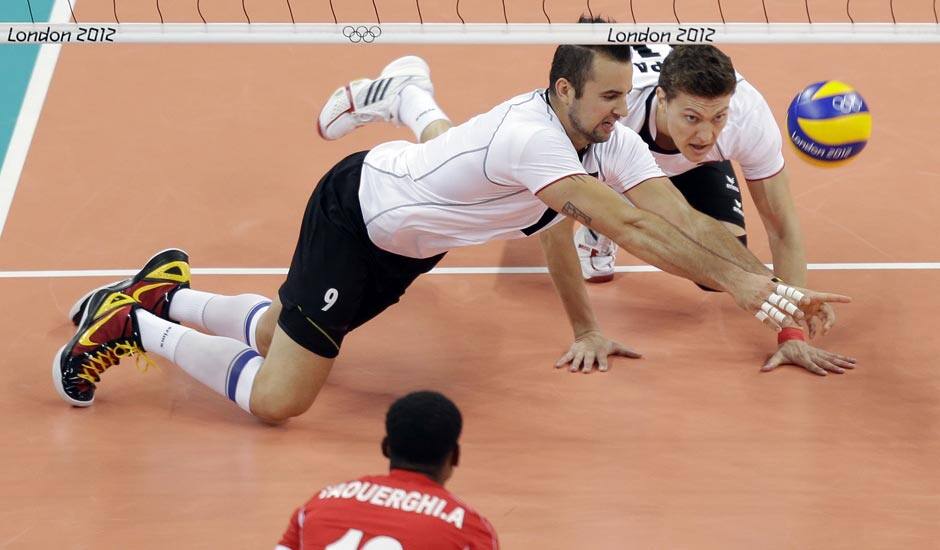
[829,122]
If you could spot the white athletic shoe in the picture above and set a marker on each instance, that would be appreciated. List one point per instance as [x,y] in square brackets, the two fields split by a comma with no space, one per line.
[597,253]
[363,101]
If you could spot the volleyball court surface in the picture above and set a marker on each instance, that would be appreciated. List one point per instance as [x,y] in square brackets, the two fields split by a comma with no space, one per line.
[214,149]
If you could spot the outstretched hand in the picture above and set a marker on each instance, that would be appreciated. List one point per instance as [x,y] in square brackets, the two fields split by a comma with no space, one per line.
[590,349]
[816,360]
[779,305]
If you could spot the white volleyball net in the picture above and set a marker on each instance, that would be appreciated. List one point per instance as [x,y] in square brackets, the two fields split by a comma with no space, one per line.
[477,21]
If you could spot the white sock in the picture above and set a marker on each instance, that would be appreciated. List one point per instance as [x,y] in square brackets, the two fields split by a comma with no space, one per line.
[418,110]
[223,364]
[230,316]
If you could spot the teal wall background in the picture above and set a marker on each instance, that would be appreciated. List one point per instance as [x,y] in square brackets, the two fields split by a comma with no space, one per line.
[16,64]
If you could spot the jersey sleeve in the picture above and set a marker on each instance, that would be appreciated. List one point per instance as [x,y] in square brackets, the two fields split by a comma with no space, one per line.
[532,160]
[759,144]
[290,540]
[625,160]
[488,538]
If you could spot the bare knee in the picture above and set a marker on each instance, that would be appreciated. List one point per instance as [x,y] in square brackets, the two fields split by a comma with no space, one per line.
[263,336]
[276,410]
[289,379]
[264,332]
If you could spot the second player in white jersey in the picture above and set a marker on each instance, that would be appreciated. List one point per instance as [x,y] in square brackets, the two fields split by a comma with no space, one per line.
[750,136]
[697,114]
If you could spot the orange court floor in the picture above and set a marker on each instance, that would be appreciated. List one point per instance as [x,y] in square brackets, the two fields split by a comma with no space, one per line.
[214,149]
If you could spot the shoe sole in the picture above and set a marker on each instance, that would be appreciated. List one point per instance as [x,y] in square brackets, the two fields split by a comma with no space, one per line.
[75,312]
[393,69]
[57,381]
[600,278]
[320,128]
[57,362]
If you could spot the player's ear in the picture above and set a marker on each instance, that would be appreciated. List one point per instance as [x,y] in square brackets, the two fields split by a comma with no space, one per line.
[455,456]
[385,452]
[564,90]
[661,96]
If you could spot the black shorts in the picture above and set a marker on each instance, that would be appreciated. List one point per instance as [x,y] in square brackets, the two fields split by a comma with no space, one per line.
[713,189]
[338,278]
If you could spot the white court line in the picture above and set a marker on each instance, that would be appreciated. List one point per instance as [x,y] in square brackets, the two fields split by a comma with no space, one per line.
[28,118]
[254,271]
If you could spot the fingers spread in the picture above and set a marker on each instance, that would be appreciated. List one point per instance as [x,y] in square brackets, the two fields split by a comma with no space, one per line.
[565,359]
[814,327]
[588,362]
[829,321]
[844,362]
[814,368]
[829,366]
[578,358]
[772,362]
[624,351]
[829,297]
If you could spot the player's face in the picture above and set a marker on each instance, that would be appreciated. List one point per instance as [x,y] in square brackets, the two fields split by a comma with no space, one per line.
[603,99]
[693,122]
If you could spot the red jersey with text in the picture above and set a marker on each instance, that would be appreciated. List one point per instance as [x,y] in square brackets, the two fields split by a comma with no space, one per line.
[401,511]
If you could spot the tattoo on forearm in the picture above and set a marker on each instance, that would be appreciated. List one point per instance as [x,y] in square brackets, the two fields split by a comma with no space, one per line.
[574,212]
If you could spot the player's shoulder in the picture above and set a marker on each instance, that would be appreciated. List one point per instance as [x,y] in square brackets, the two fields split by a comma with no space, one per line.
[471,512]
[530,103]
[530,110]
[474,525]
[525,117]
[746,96]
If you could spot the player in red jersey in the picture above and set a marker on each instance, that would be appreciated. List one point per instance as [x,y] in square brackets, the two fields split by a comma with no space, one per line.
[408,509]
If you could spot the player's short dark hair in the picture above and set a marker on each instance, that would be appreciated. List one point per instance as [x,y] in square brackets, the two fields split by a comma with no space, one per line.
[422,428]
[573,62]
[698,70]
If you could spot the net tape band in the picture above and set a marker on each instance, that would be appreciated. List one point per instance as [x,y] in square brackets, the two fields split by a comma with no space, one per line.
[470,33]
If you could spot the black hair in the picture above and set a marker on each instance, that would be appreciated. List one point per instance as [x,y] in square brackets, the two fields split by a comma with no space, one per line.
[422,429]
[574,62]
[698,70]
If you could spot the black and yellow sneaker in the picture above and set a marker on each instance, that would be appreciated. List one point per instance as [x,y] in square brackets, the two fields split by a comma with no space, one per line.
[153,286]
[106,332]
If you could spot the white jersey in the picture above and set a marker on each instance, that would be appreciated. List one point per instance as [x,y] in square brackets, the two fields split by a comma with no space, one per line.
[750,137]
[477,181]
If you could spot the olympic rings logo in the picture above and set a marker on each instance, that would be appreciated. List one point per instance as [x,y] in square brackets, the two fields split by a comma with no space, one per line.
[849,103]
[362,33]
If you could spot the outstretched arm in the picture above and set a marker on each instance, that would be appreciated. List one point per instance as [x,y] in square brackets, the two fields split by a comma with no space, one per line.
[590,345]
[563,265]
[660,196]
[778,213]
[653,239]
[644,234]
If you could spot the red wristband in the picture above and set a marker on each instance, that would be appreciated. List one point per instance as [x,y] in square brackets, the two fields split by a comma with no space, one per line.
[790,333]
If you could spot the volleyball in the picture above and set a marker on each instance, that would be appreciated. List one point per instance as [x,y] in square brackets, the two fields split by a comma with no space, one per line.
[829,122]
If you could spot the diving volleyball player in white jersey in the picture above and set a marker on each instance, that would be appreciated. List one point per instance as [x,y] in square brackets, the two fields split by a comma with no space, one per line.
[708,182]
[378,219]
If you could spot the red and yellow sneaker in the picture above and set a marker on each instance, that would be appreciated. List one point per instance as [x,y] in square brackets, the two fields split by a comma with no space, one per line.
[153,286]
[107,332]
